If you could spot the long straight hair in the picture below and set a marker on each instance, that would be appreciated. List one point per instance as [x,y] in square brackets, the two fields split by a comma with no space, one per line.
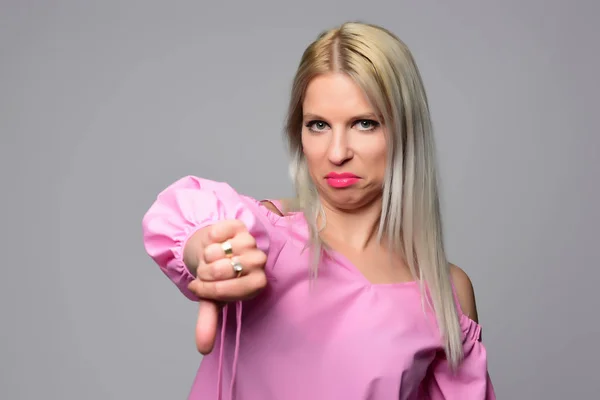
[382,65]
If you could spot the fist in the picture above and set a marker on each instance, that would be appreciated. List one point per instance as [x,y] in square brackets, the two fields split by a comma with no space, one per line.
[217,278]
[217,281]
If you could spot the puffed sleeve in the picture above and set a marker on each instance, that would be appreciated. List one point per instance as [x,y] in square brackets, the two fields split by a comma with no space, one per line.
[471,381]
[187,205]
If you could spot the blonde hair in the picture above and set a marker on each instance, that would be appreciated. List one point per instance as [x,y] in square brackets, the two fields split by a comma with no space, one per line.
[382,65]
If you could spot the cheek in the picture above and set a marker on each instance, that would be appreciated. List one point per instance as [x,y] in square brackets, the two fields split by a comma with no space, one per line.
[381,164]
[377,153]
[312,148]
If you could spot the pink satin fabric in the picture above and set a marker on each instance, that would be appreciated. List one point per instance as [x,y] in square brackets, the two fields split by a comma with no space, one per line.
[341,338]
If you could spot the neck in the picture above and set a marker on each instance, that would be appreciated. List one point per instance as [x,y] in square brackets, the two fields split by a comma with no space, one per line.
[356,228]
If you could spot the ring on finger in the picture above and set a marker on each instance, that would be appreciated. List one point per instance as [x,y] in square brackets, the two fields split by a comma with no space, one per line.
[227,249]
[237,267]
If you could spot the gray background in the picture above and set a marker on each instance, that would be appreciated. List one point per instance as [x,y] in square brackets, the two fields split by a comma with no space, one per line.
[102,104]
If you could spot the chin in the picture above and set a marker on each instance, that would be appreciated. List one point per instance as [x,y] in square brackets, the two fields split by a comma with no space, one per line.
[346,200]
[352,198]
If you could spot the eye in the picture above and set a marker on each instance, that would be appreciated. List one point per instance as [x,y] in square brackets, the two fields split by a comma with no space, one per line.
[367,125]
[316,126]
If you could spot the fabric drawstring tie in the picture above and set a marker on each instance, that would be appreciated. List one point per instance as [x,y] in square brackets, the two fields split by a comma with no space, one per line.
[238,309]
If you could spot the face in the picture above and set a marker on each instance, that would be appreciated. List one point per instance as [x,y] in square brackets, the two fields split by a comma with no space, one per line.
[343,142]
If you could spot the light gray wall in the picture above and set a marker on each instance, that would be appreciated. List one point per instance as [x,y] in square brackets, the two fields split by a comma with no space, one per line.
[102,104]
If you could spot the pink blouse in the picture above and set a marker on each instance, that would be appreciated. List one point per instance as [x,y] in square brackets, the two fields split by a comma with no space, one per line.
[341,338]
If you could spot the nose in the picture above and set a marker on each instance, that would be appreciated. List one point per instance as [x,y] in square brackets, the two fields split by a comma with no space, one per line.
[339,150]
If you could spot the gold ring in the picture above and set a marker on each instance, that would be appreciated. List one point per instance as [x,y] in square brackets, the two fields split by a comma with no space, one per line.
[226,246]
[237,267]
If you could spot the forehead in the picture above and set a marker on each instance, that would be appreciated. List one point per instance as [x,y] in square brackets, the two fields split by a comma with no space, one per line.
[335,94]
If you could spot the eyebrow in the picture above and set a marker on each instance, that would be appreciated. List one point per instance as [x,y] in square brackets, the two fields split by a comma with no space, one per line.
[367,115]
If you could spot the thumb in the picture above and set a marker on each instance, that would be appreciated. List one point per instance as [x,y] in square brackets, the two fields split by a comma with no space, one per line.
[206,326]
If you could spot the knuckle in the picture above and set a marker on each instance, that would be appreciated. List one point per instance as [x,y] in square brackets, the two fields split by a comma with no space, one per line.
[213,252]
[200,272]
[253,259]
[243,241]
[251,240]
[215,271]
[218,290]
[215,231]
[193,286]
[207,289]
[261,258]
[238,224]
[260,281]
[197,287]
[209,252]
[248,240]
[201,269]
[220,270]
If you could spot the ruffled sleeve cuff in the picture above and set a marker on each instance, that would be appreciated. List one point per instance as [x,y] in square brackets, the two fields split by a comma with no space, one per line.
[187,205]
[472,380]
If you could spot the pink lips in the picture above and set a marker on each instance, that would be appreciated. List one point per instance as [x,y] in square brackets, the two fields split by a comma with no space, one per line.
[342,180]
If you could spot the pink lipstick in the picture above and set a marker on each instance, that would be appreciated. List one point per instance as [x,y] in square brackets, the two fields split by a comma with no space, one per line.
[341,180]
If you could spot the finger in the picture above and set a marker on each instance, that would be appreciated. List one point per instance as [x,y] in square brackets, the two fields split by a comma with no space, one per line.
[239,244]
[206,326]
[222,269]
[242,288]
[223,230]
[219,270]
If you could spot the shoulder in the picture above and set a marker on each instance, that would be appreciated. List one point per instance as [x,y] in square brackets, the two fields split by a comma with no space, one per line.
[464,291]
[193,196]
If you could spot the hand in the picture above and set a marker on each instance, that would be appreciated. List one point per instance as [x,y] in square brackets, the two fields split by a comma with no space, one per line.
[216,281]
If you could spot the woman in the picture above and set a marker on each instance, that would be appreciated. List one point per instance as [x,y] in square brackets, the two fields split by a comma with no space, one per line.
[346,292]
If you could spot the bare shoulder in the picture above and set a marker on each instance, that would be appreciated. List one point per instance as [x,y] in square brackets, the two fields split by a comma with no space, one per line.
[271,207]
[464,292]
